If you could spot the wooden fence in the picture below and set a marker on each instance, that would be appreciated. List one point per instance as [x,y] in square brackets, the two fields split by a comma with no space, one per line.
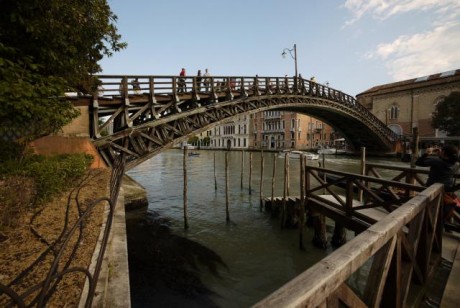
[397,252]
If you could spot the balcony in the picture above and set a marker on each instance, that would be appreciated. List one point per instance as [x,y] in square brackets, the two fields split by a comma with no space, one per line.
[273,116]
[271,131]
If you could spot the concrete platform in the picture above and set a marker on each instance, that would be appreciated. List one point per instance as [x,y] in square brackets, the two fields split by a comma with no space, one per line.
[451,252]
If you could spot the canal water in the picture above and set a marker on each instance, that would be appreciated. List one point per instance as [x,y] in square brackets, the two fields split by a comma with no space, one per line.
[215,263]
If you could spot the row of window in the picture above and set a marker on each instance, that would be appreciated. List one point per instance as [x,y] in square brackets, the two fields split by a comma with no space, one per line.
[230,130]
[222,143]
[279,125]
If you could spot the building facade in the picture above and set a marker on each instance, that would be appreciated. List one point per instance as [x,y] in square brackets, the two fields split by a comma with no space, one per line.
[277,130]
[231,134]
[407,104]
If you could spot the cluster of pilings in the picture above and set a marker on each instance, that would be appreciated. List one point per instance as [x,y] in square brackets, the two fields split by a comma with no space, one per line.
[291,210]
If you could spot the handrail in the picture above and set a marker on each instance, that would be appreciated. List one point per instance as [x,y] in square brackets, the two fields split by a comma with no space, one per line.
[385,243]
[407,173]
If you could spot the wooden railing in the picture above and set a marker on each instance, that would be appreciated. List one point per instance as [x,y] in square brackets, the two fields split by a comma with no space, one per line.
[205,90]
[398,251]
[415,176]
[376,193]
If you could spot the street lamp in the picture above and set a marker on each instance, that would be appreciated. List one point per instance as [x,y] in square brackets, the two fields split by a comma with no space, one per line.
[284,53]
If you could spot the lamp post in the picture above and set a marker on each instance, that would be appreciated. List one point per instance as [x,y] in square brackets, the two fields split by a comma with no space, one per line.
[292,56]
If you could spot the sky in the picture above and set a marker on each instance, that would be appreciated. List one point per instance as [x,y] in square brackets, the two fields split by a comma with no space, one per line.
[353,45]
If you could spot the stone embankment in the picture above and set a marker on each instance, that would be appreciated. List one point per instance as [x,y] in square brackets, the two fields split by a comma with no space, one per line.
[135,194]
[113,288]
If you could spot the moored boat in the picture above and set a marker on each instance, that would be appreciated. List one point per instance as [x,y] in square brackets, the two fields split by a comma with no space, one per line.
[327,151]
[297,154]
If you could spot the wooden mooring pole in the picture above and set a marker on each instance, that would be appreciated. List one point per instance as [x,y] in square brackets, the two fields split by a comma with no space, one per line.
[302,201]
[285,190]
[273,179]
[215,177]
[250,172]
[242,168]
[414,148]
[226,188]
[185,187]
[363,170]
[287,175]
[261,187]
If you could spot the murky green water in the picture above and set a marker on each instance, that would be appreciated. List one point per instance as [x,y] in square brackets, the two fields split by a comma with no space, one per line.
[260,257]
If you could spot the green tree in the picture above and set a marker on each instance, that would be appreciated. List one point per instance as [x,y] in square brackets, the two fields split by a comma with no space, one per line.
[447,115]
[67,37]
[47,48]
[207,141]
[193,140]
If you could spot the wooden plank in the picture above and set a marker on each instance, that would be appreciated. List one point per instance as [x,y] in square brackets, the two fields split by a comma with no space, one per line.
[373,213]
[347,296]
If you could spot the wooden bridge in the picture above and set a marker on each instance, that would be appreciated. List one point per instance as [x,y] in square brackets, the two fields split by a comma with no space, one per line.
[399,246]
[142,115]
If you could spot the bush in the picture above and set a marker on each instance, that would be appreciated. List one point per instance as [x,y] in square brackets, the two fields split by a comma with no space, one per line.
[50,174]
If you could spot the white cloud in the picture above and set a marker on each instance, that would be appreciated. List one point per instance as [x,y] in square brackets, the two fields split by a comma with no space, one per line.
[383,9]
[409,56]
[422,54]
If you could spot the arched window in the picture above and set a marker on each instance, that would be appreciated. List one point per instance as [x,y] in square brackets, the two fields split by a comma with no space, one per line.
[394,112]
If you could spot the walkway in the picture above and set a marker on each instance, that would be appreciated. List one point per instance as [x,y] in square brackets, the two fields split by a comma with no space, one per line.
[451,252]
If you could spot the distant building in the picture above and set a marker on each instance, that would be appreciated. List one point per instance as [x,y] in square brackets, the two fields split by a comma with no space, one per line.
[407,104]
[231,134]
[273,130]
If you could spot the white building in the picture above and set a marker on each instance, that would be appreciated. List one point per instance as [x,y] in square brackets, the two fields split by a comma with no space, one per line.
[232,134]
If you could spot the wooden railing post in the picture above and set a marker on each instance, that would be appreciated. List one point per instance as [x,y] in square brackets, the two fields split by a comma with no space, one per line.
[152,99]
[243,91]
[363,170]
[302,201]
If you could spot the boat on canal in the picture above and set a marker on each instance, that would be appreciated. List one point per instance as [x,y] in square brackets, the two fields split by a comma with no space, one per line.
[297,154]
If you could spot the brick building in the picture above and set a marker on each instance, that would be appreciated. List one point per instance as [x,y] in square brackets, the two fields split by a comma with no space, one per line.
[407,104]
[273,130]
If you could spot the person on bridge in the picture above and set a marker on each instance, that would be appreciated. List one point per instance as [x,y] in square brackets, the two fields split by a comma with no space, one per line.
[198,80]
[443,165]
[136,86]
[206,80]
[181,83]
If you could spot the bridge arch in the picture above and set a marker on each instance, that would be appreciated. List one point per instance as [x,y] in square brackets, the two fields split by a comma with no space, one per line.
[143,125]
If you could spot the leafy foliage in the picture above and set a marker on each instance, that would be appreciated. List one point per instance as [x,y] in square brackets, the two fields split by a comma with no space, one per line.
[50,174]
[30,106]
[206,141]
[67,38]
[447,115]
[193,140]
[48,48]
